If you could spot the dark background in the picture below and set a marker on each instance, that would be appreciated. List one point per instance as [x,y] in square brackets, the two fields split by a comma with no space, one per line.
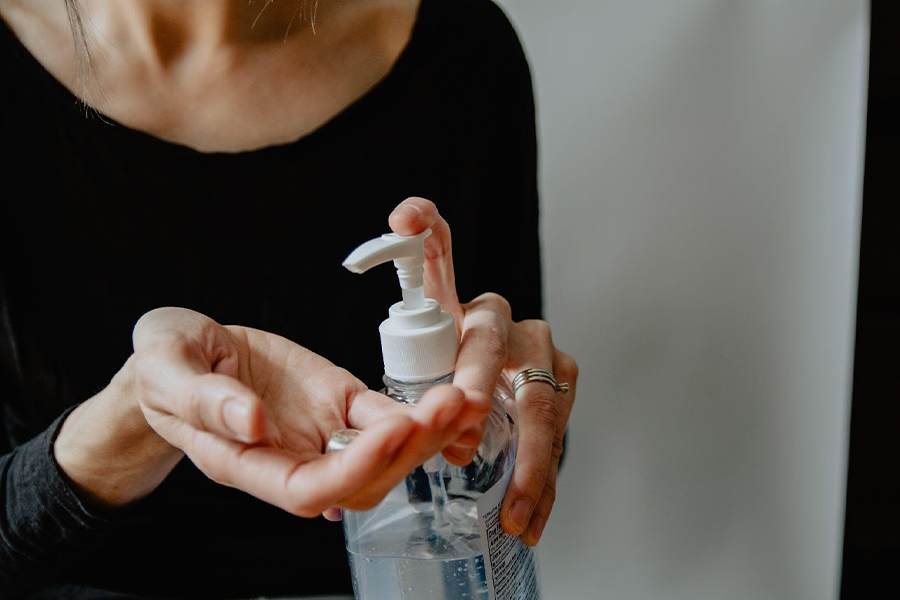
[872,528]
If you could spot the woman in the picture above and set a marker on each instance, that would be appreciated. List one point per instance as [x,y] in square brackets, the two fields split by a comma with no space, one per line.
[224,157]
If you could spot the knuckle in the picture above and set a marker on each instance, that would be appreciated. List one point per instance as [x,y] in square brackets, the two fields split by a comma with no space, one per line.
[536,328]
[142,381]
[541,407]
[499,303]
[144,384]
[488,336]
[535,476]
[493,302]
[495,343]
[192,410]
[338,376]
[568,366]
[339,382]
[144,321]
[148,326]
[424,204]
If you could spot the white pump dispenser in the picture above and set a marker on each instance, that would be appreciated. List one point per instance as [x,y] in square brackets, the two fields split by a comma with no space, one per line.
[436,535]
[418,339]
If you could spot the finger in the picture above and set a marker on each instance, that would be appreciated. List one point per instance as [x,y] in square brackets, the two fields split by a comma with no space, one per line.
[333,514]
[565,369]
[174,378]
[353,468]
[302,483]
[220,404]
[483,352]
[538,416]
[434,419]
[437,417]
[461,453]
[177,352]
[204,342]
[532,534]
[368,406]
[412,217]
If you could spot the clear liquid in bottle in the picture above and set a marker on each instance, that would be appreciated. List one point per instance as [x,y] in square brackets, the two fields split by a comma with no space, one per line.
[423,541]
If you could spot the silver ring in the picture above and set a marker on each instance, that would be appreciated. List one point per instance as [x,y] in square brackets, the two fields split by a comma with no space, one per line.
[542,375]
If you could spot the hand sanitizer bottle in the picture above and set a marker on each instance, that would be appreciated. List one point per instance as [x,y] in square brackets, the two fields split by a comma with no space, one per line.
[436,535]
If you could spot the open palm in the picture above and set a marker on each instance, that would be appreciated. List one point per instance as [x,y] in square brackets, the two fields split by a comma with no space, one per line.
[254,410]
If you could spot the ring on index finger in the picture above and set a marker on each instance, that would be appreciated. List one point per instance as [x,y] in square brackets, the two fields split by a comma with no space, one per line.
[541,375]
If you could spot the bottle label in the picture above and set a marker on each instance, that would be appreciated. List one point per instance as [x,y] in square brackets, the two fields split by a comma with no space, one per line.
[509,564]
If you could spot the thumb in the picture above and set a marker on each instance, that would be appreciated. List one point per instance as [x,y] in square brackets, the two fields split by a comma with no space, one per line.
[412,217]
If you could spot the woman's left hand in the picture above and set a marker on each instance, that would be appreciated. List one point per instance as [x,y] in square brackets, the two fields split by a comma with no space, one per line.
[492,344]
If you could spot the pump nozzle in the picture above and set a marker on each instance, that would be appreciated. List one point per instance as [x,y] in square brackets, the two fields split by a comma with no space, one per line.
[418,340]
[408,254]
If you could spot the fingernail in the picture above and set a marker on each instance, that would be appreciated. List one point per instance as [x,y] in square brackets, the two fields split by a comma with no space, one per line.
[463,453]
[333,514]
[411,209]
[236,413]
[520,513]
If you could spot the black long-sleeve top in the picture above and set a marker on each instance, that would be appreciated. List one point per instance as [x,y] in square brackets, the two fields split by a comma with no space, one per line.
[100,223]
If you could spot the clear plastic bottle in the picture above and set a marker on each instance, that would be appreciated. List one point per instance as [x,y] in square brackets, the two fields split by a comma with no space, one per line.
[423,541]
[436,535]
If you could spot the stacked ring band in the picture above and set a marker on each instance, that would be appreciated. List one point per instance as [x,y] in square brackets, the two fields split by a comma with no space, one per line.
[542,375]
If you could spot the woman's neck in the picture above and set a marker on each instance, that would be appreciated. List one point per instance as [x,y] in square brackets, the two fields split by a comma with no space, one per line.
[219,75]
[171,31]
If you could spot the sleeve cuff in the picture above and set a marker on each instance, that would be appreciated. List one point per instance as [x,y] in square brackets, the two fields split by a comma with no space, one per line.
[45,526]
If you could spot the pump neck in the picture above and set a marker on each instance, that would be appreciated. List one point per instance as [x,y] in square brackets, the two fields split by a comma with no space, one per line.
[410,393]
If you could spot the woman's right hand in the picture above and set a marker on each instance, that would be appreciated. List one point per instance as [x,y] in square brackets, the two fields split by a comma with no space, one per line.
[254,411]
